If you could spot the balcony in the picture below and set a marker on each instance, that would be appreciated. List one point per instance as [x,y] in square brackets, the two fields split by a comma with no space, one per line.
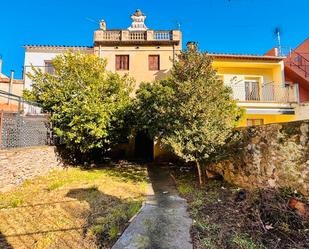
[144,37]
[266,93]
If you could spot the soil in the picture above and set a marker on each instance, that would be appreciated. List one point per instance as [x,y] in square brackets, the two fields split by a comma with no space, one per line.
[225,216]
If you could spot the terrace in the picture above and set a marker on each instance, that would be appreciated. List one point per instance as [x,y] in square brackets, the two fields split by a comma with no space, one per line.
[144,37]
[251,91]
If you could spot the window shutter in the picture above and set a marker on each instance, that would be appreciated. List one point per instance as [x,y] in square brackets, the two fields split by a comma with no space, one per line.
[126,62]
[153,62]
[118,62]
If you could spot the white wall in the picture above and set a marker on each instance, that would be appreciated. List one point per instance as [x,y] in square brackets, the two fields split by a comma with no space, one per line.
[36,59]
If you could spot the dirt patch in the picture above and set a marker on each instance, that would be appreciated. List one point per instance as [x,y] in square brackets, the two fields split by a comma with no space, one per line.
[228,217]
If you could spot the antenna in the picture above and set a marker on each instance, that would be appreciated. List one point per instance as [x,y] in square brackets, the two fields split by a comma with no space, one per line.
[91,20]
[277,32]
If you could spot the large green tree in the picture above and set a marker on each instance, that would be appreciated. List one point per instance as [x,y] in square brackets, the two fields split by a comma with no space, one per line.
[86,102]
[192,111]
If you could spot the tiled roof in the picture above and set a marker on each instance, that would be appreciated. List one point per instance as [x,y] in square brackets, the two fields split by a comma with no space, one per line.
[56,46]
[8,80]
[245,56]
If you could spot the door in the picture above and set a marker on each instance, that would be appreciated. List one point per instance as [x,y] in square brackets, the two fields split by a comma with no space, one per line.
[143,146]
[252,90]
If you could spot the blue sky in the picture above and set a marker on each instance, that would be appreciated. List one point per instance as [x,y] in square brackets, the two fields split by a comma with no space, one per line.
[238,26]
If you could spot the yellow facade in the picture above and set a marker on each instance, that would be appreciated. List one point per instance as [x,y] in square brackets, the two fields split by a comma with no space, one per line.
[268,119]
[269,100]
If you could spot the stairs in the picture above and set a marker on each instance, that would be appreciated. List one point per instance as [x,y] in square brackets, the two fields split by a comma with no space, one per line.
[299,64]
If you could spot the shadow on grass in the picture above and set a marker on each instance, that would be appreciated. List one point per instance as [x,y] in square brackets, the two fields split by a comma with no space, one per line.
[68,224]
[3,242]
[108,216]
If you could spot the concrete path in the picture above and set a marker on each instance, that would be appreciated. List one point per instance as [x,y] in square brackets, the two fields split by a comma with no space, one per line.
[163,223]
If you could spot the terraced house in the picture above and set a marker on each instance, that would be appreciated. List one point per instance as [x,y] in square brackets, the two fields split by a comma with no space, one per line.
[143,53]
[259,86]
[258,82]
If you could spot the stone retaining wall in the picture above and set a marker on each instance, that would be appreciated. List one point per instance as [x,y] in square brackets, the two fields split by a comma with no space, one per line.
[275,155]
[17,165]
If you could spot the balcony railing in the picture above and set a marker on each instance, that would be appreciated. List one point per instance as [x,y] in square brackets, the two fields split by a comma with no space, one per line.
[163,35]
[126,35]
[264,93]
[137,36]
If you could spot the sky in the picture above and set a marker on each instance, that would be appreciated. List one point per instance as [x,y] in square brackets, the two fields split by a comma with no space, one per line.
[231,26]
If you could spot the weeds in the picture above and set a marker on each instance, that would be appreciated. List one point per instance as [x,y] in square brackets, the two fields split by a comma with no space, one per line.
[261,220]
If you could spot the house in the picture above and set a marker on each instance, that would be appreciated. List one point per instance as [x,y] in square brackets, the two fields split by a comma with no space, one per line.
[143,53]
[296,73]
[10,91]
[296,68]
[259,86]
[41,56]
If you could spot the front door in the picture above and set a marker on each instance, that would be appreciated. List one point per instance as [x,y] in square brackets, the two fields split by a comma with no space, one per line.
[143,146]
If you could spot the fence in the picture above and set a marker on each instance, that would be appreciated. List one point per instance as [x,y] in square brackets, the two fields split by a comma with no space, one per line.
[23,131]
[13,103]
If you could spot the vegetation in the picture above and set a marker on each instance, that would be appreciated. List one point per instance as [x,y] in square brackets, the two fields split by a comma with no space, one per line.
[191,112]
[72,208]
[87,104]
[262,219]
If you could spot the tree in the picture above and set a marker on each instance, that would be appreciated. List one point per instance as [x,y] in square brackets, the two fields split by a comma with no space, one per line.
[192,111]
[87,104]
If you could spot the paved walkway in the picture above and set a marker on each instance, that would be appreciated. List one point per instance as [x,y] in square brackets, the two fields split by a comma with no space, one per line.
[163,223]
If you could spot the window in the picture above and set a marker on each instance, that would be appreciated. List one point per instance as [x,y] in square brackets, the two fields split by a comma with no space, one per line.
[252,90]
[49,67]
[122,62]
[255,122]
[154,62]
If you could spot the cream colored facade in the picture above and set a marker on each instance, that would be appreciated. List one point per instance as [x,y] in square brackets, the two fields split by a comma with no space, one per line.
[138,43]
[138,61]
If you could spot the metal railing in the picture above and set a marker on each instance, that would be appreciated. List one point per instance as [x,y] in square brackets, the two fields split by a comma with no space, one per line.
[162,35]
[264,93]
[13,103]
[298,60]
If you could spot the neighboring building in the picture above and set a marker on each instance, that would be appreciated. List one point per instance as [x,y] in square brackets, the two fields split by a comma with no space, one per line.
[296,66]
[10,89]
[144,54]
[259,86]
[297,73]
[40,56]
[296,70]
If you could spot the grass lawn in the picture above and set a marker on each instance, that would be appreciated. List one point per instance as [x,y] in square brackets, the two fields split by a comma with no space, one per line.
[261,220]
[72,208]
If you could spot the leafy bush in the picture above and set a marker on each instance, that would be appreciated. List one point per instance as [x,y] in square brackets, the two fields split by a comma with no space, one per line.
[192,112]
[86,102]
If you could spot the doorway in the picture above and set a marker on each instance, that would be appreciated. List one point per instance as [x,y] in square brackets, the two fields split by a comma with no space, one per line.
[143,146]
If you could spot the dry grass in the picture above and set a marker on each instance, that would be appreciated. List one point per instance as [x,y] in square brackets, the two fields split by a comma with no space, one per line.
[72,208]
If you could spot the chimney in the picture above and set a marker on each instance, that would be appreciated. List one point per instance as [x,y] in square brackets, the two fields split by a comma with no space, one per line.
[11,81]
[11,84]
[102,25]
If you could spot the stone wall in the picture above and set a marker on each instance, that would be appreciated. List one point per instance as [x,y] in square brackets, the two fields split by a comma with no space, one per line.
[275,155]
[17,165]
